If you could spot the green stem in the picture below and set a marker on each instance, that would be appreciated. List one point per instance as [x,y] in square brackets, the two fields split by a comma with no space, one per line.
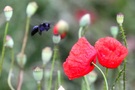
[87,84]
[106,72]
[20,80]
[80,32]
[102,74]
[11,69]
[125,43]
[59,78]
[25,35]
[43,80]
[123,36]
[52,67]
[3,48]
[9,79]
[117,78]
[39,85]
[82,85]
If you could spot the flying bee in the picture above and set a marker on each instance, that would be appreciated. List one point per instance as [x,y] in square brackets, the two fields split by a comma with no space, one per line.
[40,28]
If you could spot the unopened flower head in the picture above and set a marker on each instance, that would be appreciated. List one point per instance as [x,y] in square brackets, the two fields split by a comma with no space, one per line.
[85,20]
[31,8]
[56,32]
[38,74]
[8,11]
[61,88]
[21,59]
[46,55]
[120,18]
[62,26]
[56,39]
[9,42]
[114,31]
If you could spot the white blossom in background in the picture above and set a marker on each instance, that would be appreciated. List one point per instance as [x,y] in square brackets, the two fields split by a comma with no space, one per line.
[61,88]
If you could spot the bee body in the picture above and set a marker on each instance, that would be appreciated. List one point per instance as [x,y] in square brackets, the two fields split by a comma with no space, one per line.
[40,28]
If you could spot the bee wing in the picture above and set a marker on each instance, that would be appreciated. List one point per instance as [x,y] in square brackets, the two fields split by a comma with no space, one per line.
[34,30]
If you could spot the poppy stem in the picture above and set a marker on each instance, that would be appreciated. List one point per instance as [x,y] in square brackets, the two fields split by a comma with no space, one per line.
[123,35]
[80,32]
[106,83]
[59,78]
[125,43]
[3,48]
[86,81]
[11,70]
[39,86]
[106,72]
[117,78]
[52,67]
[20,81]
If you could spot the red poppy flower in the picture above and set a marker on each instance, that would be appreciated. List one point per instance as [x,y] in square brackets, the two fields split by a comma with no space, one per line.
[78,63]
[110,52]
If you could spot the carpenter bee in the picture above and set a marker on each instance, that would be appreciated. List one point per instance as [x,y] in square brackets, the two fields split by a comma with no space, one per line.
[40,28]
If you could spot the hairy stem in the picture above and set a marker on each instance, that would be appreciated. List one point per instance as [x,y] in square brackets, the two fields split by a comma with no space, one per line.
[125,43]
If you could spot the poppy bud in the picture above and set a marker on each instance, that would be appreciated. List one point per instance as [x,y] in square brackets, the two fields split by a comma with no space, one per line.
[56,39]
[31,8]
[38,74]
[61,28]
[85,20]
[9,42]
[110,52]
[8,11]
[114,31]
[21,60]
[120,18]
[46,55]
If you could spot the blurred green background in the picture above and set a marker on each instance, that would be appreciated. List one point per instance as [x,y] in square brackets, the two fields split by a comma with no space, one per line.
[103,14]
